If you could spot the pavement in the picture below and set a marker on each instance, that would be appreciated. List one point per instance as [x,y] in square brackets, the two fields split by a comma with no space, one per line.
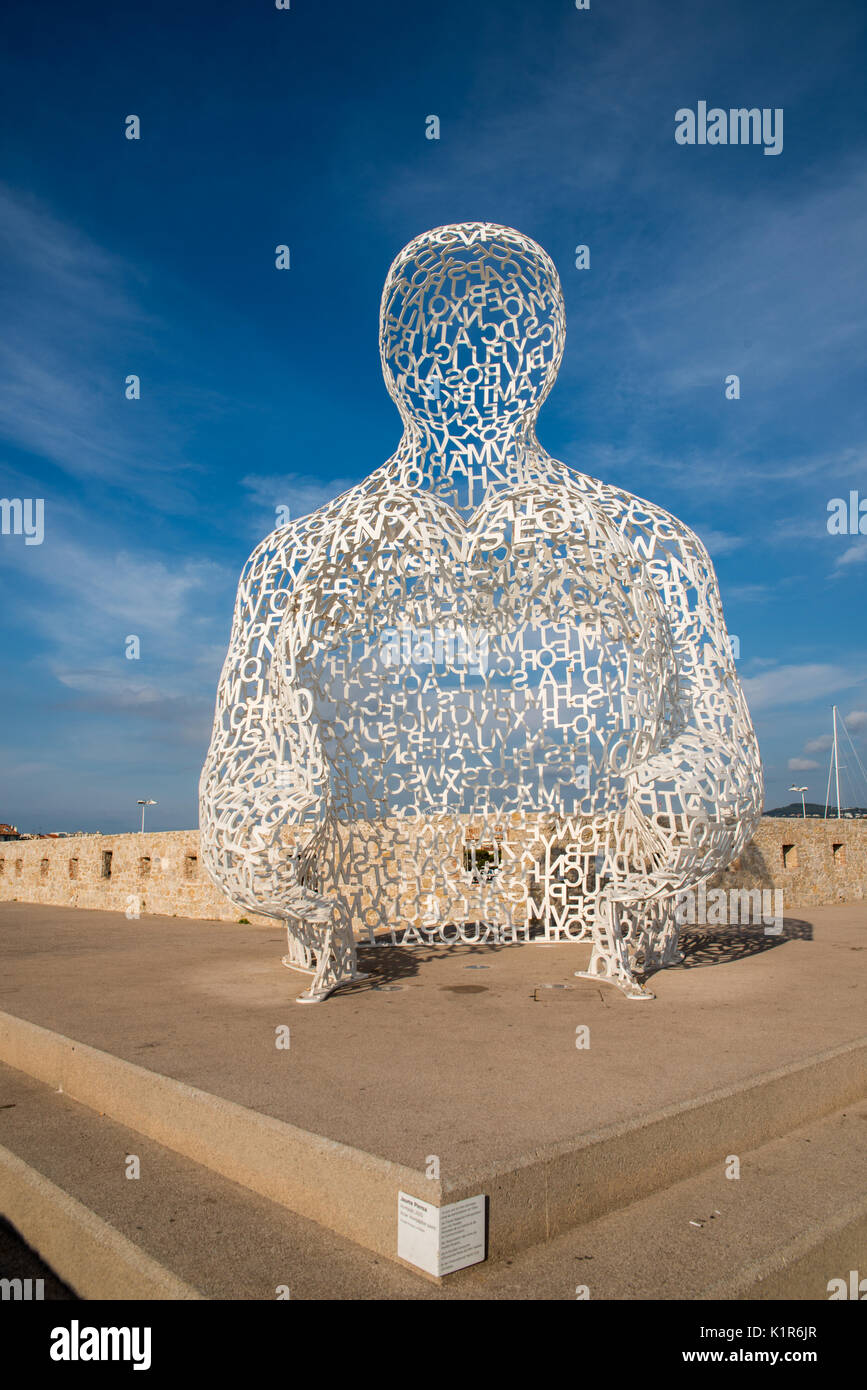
[434,1055]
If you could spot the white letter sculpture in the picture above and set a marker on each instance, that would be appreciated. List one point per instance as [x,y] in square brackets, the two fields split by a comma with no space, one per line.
[478,697]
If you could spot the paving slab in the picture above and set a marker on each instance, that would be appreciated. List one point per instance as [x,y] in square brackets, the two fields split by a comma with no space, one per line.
[433,1056]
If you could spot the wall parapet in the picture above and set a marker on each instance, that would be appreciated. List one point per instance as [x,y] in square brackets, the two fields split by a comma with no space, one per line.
[814,862]
[156,872]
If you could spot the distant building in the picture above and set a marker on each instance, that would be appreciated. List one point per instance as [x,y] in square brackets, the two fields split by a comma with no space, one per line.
[9,832]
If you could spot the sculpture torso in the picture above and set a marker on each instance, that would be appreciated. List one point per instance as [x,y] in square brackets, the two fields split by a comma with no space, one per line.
[516,658]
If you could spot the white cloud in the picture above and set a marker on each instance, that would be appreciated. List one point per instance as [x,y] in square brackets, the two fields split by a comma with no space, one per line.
[854,554]
[719,542]
[789,685]
[75,327]
[301,494]
[801,764]
[107,586]
[819,745]
[71,316]
[81,602]
[747,593]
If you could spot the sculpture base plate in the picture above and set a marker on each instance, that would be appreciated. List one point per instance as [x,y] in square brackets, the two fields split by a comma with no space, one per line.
[631,991]
[309,998]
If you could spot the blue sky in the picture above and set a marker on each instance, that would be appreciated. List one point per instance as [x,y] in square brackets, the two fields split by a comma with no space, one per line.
[262,387]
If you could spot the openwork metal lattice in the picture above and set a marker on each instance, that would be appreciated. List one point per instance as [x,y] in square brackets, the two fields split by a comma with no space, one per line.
[479,687]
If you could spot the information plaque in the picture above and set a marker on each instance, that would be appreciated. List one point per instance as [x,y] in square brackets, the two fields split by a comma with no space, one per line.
[440,1240]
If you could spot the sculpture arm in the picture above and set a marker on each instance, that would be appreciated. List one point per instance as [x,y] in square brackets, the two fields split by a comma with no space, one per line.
[703,786]
[264,770]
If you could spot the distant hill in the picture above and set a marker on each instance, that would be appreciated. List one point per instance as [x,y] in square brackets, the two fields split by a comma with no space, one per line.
[814,809]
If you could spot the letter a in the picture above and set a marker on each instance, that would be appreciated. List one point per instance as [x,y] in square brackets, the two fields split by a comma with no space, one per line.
[60,1339]
[684,126]
[838,524]
[717,129]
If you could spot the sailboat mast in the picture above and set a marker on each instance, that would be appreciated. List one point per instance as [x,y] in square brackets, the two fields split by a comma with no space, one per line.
[836,761]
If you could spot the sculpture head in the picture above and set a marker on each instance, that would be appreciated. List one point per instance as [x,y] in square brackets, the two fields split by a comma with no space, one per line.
[472,327]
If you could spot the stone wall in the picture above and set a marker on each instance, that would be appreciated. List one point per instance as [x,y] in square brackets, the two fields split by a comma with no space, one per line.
[160,873]
[813,861]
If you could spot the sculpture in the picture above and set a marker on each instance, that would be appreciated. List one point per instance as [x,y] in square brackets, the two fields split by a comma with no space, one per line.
[479,685]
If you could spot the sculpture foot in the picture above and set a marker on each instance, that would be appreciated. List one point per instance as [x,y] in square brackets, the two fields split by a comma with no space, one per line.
[316,996]
[631,988]
[308,997]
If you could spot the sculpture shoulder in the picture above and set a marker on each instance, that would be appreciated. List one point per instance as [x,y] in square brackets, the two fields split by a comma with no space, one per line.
[655,532]
[283,553]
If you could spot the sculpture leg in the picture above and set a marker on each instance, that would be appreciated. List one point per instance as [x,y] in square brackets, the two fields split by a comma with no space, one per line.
[322,944]
[669,937]
[608,959]
[299,955]
[657,945]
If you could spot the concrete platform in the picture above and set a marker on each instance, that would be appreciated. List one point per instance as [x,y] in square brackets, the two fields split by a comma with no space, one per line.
[782,1230]
[750,1038]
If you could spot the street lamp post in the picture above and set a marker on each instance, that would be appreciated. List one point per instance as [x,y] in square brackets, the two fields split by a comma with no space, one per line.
[803,802]
[142,804]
